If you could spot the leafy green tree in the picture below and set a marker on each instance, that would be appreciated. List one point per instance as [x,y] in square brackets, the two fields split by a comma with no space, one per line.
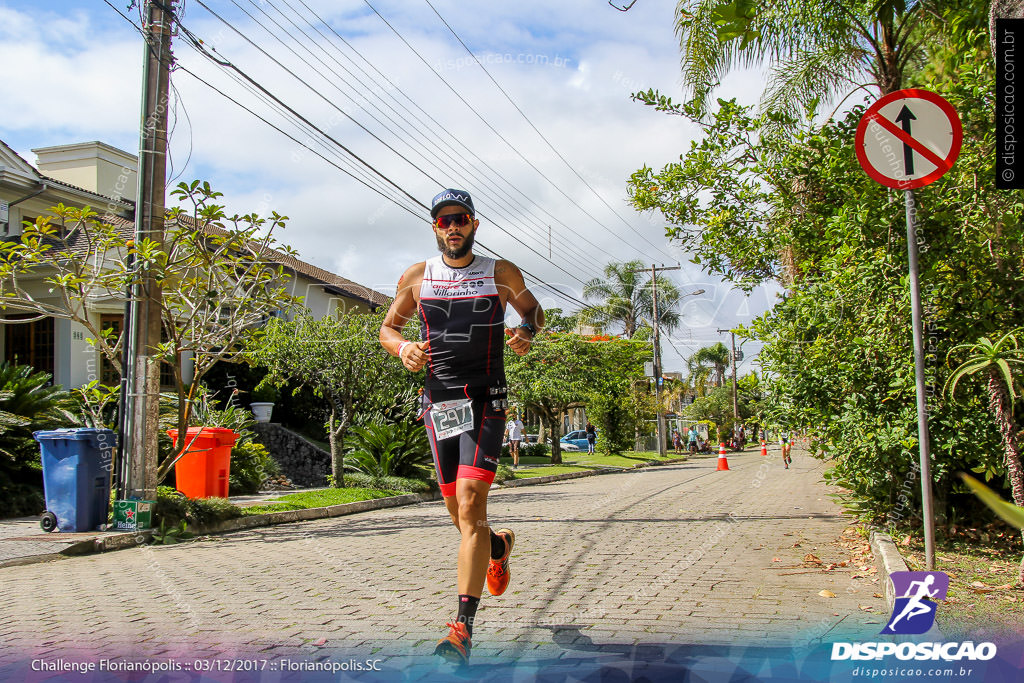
[219,276]
[624,299]
[615,380]
[553,377]
[340,359]
[756,202]
[555,321]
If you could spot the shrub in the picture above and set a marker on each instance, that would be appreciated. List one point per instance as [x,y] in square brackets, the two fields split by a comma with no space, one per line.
[27,404]
[251,465]
[396,449]
[401,484]
[503,474]
[172,508]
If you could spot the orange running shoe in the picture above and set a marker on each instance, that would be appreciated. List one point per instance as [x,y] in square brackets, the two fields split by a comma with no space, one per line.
[498,574]
[456,645]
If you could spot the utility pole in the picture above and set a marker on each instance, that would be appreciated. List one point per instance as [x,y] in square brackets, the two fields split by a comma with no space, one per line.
[735,394]
[143,371]
[657,352]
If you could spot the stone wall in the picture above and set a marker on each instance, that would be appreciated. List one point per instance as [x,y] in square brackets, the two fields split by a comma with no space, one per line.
[302,461]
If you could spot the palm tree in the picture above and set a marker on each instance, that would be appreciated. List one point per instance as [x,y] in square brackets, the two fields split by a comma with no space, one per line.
[624,298]
[994,362]
[817,49]
[716,356]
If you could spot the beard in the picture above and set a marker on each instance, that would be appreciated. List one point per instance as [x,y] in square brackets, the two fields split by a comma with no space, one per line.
[455,254]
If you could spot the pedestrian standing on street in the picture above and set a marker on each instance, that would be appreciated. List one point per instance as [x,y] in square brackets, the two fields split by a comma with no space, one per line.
[460,298]
[515,429]
[677,441]
[591,437]
[692,439]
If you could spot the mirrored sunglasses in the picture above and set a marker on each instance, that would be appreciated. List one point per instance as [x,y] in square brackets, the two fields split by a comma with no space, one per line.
[459,220]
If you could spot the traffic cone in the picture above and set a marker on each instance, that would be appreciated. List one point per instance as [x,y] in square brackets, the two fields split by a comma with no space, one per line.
[764,448]
[723,462]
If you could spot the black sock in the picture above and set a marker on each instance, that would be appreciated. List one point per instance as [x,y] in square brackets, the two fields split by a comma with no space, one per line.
[467,611]
[497,546]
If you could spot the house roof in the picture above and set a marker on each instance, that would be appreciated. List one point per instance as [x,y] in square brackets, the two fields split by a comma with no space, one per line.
[13,163]
[78,244]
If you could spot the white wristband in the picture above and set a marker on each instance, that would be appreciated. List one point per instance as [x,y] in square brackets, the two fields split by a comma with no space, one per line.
[401,347]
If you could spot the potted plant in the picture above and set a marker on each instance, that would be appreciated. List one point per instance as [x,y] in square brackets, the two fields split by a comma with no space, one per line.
[263,398]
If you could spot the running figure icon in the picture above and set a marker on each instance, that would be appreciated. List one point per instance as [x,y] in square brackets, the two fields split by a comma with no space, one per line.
[915,607]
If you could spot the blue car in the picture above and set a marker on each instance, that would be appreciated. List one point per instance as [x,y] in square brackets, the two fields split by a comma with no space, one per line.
[576,440]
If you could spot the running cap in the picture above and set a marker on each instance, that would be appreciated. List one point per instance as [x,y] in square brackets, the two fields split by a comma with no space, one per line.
[451,197]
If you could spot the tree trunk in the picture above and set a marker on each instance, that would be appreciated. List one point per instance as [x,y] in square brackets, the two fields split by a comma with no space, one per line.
[1002,410]
[556,446]
[337,458]
[1009,9]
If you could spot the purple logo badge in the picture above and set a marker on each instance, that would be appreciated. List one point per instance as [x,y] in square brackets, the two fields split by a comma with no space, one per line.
[913,611]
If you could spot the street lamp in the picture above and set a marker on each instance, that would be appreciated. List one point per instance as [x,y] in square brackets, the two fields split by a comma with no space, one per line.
[657,359]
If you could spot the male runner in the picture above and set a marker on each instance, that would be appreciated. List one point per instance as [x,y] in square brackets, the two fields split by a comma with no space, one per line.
[460,298]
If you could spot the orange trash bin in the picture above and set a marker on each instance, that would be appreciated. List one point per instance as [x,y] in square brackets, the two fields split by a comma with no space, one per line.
[204,469]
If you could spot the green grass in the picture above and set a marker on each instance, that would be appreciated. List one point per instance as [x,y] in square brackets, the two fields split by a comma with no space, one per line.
[627,459]
[318,499]
[984,602]
[548,471]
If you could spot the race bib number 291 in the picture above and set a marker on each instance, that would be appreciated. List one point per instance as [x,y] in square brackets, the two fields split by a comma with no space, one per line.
[451,418]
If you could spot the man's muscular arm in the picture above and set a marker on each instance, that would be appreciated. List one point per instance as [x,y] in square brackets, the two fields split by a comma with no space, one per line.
[512,287]
[413,354]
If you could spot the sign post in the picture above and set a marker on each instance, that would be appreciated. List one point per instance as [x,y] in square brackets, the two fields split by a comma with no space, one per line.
[905,140]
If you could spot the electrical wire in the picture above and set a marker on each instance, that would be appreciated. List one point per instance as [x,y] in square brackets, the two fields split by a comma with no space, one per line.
[198,45]
[456,166]
[333,83]
[489,126]
[438,131]
[536,130]
[221,61]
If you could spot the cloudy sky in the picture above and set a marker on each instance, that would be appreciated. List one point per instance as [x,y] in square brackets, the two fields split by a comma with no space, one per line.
[546,147]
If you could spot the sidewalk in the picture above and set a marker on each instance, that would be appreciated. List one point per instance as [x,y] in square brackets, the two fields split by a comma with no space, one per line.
[22,540]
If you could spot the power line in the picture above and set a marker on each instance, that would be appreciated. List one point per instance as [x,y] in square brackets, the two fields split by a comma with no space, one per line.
[438,130]
[331,81]
[197,45]
[228,64]
[536,130]
[486,123]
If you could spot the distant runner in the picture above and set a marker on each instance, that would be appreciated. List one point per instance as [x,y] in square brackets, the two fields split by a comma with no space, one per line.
[460,298]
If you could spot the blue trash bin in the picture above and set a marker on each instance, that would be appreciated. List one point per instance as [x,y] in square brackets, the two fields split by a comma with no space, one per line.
[76,477]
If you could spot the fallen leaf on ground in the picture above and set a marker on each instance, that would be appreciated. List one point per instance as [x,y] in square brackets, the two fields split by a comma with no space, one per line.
[878,595]
[809,557]
[776,559]
[866,608]
[827,593]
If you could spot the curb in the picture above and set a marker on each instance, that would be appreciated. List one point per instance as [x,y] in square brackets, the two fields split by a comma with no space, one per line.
[888,559]
[131,539]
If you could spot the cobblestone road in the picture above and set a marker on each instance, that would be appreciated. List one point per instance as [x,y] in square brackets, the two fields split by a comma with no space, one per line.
[656,557]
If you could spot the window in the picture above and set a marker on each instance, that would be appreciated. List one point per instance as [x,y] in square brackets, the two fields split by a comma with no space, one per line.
[30,343]
[109,374]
